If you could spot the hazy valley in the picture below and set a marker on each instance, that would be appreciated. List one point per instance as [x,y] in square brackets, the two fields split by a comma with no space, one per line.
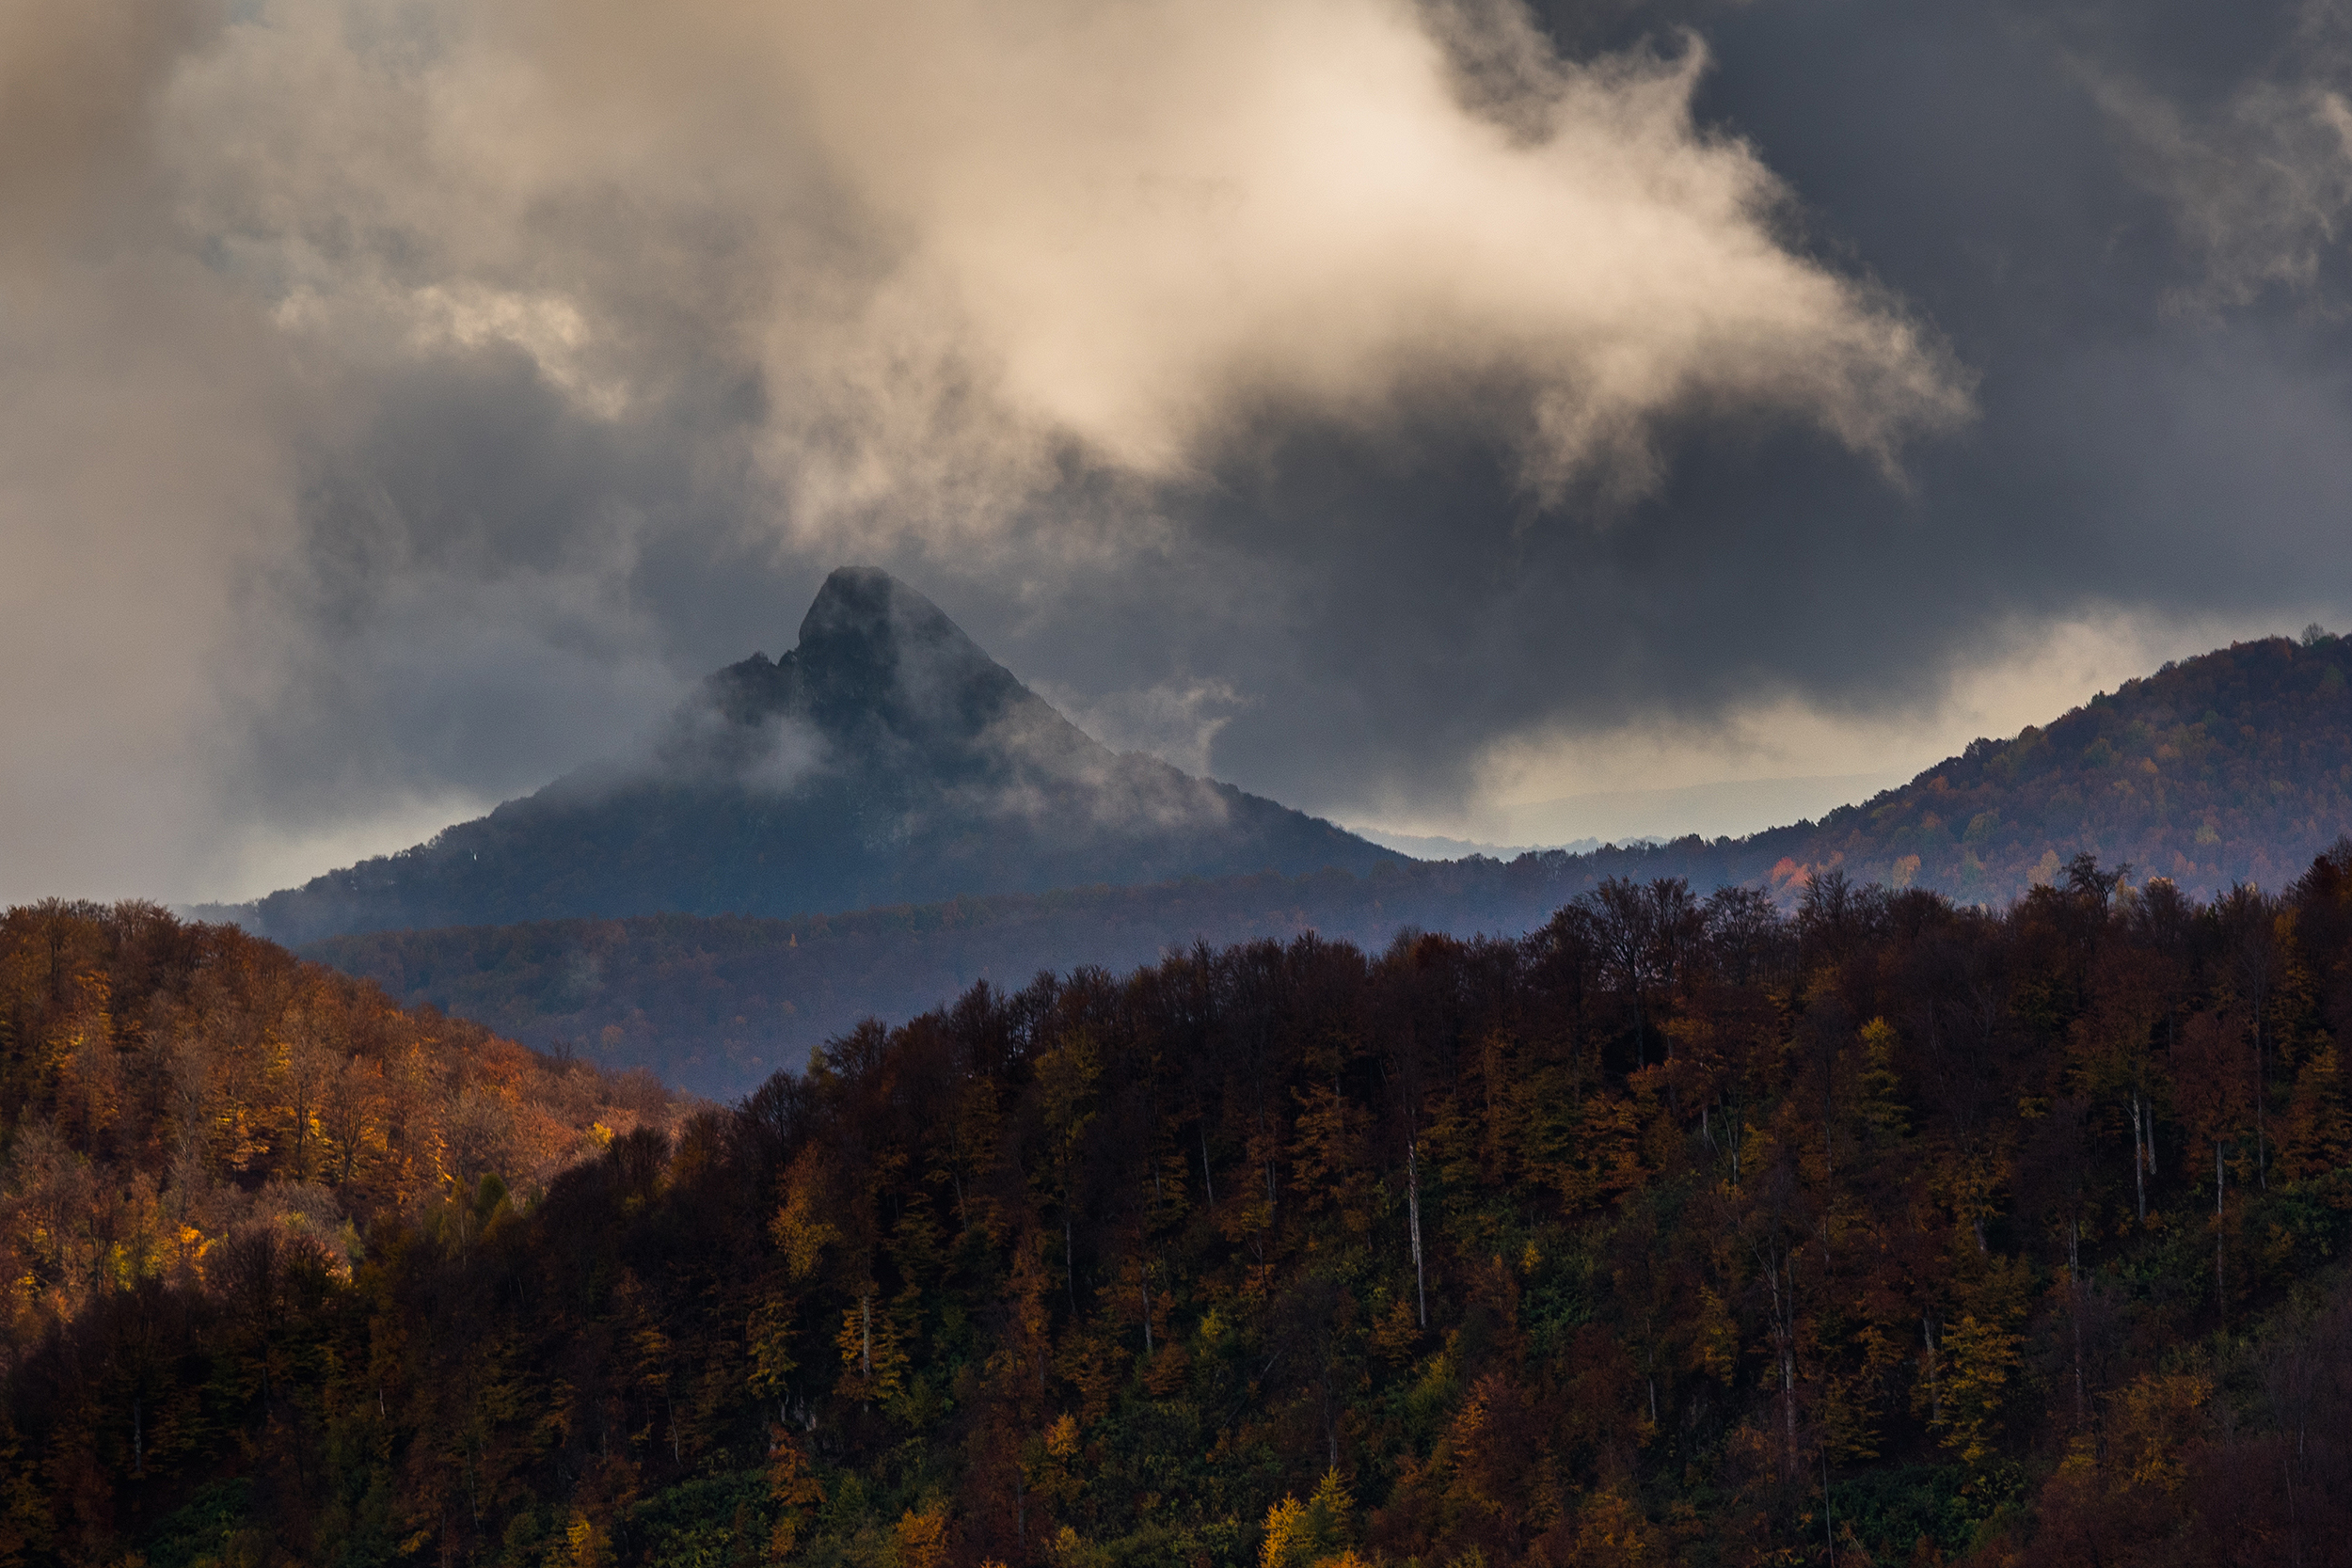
[2235,766]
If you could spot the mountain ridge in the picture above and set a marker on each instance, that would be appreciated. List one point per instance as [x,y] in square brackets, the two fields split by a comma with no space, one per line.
[716,1003]
[2234,765]
[885,759]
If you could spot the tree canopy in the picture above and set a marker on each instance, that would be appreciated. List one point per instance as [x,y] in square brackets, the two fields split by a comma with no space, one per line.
[1683,1229]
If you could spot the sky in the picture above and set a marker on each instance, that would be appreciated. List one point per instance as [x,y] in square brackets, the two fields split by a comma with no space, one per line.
[1447,415]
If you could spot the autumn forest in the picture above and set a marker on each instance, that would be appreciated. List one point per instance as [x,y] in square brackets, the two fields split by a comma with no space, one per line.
[1681,1230]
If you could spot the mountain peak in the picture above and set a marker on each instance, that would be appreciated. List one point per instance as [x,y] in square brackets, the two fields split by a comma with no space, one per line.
[864,616]
[877,656]
[885,759]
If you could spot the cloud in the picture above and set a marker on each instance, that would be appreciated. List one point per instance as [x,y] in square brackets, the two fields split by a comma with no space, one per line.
[1760,764]
[142,460]
[1136,228]
[2258,178]
[391,377]
[404,402]
[1176,721]
[965,246]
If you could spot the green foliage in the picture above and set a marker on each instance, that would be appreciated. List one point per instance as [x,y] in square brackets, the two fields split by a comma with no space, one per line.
[200,1529]
[1896,1509]
[721,1522]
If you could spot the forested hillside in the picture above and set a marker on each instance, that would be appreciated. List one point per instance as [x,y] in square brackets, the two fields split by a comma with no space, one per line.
[1679,1230]
[179,1104]
[2232,766]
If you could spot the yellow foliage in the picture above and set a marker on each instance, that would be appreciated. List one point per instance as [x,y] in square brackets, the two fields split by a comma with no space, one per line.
[1312,1534]
[1718,1336]
[1882,1104]
[768,1338]
[2318,1135]
[797,1230]
[1979,1359]
[2154,1419]
[1332,1504]
[1396,1330]
[791,1485]
[1284,1545]
[587,1547]
[1610,1532]
[922,1538]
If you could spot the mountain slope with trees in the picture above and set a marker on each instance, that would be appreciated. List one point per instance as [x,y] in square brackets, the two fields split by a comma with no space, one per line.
[1687,1231]
[887,759]
[2242,758]
[177,1100]
[2232,766]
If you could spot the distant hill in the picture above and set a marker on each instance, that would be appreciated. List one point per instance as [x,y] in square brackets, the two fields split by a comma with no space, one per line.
[884,760]
[2232,766]
[714,1006]
[1427,847]
[2228,767]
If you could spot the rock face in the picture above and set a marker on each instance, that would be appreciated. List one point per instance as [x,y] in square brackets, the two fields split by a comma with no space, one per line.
[887,759]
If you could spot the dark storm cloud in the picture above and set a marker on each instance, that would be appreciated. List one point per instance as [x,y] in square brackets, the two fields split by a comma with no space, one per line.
[1330,393]
[2155,437]
[491,586]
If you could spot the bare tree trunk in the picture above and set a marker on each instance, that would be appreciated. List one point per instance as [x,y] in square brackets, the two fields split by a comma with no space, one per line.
[2074,1311]
[2220,1300]
[2261,1152]
[1785,1336]
[1829,1526]
[1412,1216]
[2140,1165]
[1935,1384]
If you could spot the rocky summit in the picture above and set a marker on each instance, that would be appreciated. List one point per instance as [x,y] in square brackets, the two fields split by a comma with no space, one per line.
[887,759]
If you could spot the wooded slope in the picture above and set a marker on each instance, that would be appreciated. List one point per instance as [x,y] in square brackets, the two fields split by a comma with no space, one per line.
[2233,767]
[174,1096]
[1678,1231]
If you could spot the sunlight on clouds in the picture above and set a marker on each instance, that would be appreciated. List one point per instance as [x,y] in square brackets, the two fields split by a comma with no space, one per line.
[1130,227]
[1558,788]
[962,243]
